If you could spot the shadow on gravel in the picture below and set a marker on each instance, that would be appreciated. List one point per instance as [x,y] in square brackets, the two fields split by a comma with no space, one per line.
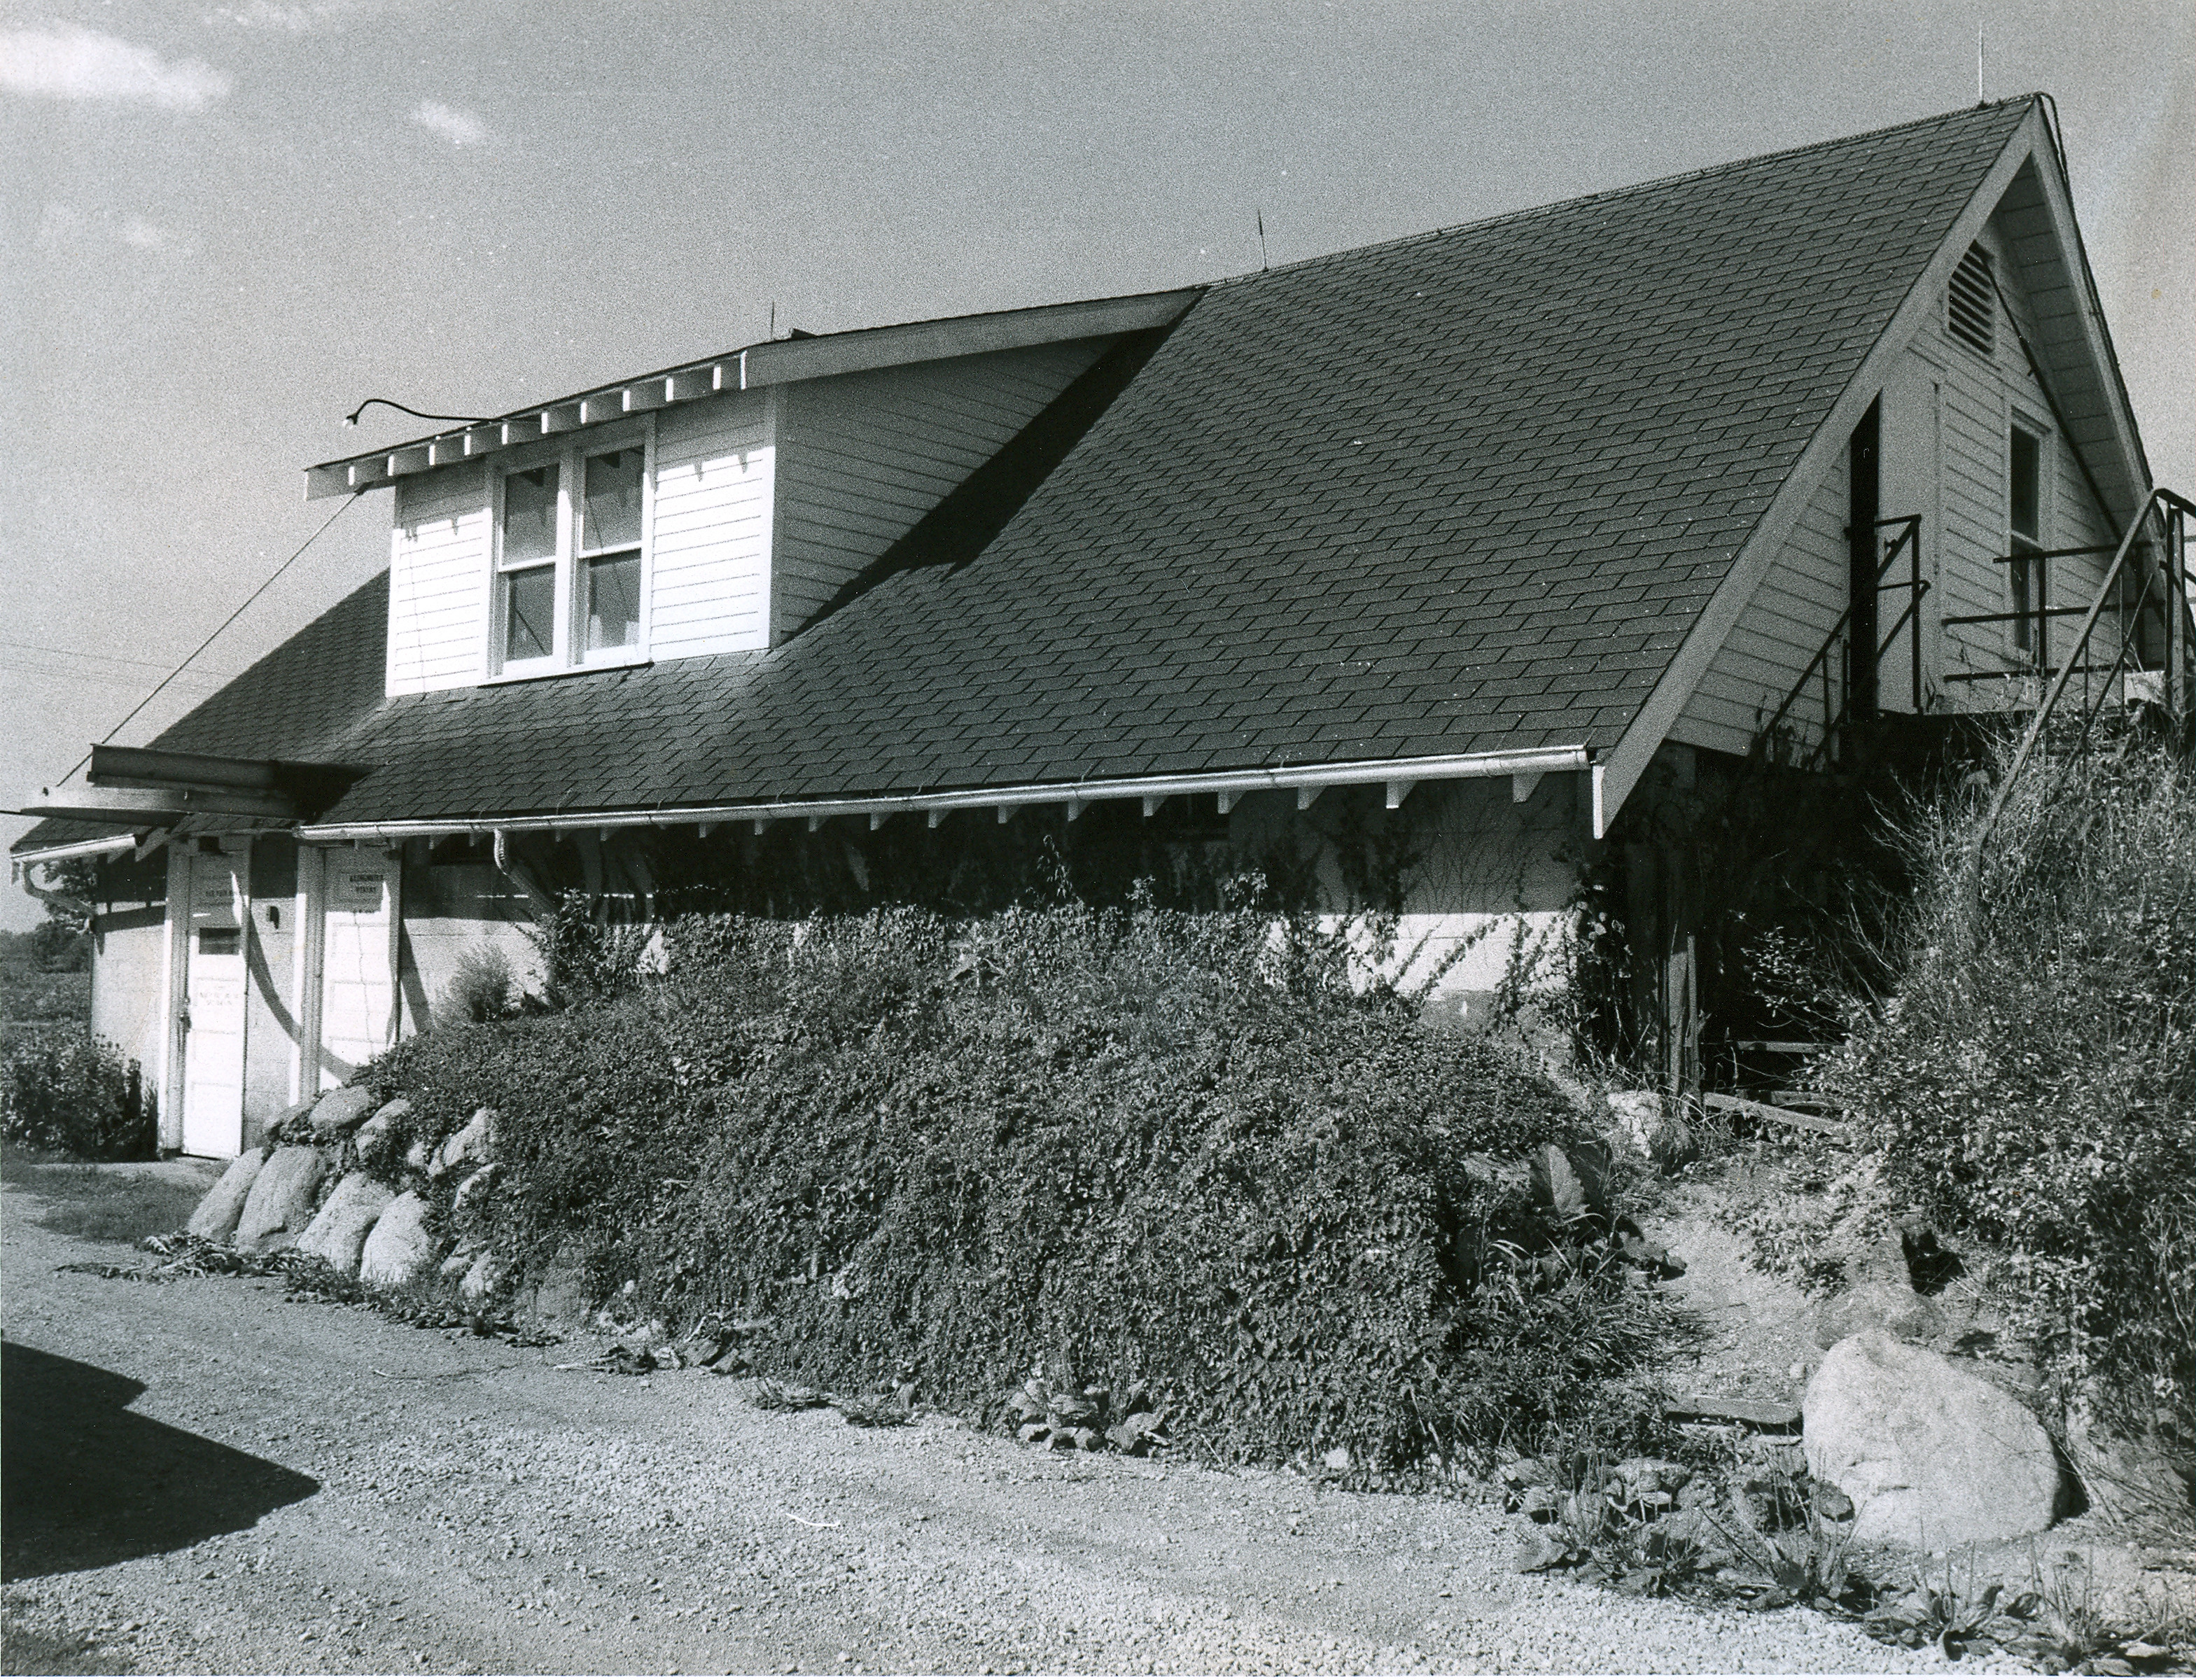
[85,1482]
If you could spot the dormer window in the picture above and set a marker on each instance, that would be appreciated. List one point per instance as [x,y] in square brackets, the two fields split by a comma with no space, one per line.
[570,545]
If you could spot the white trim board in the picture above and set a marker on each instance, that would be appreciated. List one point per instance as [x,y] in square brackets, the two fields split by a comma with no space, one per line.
[1397,775]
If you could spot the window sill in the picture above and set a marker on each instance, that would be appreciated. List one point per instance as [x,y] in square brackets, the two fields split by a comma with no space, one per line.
[592,667]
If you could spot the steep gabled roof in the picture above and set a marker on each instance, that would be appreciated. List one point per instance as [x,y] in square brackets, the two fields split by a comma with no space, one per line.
[1459,493]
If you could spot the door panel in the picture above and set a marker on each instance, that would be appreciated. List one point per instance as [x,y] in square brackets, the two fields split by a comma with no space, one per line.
[358,965]
[212,1018]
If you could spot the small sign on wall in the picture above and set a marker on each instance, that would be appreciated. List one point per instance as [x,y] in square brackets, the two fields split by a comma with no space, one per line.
[359,890]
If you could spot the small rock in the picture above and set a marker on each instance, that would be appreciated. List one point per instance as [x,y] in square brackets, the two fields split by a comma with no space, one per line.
[338,1230]
[1762,1414]
[220,1209]
[1930,1454]
[473,1142]
[1877,1303]
[399,1247]
[1337,1458]
[280,1204]
[473,1190]
[482,1278]
[341,1111]
[377,1127]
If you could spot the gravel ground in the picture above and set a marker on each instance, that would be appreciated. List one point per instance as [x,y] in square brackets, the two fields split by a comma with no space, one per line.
[202,1477]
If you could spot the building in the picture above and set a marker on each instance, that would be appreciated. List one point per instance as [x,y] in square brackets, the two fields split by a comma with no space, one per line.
[1508,539]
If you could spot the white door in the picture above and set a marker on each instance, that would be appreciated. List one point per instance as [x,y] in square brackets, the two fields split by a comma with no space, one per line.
[212,1017]
[358,962]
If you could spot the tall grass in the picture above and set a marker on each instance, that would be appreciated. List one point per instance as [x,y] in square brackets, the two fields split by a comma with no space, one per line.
[2030,1075]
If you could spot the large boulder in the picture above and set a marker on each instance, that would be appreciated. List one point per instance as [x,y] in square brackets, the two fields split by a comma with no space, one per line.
[220,1207]
[280,1205]
[342,1111]
[399,1247]
[472,1143]
[338,1232]
[1931,1455]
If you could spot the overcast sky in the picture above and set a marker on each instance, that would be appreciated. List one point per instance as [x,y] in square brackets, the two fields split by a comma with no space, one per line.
[226,226]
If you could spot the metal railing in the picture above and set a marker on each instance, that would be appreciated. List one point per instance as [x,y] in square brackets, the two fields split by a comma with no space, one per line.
[1836,712]
[2172,512]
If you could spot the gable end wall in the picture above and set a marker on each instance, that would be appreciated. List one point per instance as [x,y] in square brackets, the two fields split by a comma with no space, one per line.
[1947,410]
[864,456]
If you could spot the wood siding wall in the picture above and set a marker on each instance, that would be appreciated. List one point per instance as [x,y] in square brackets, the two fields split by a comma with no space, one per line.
[864,456]
[438,581]
[1982,399]
[1777,634]
[715,471]
[1947,416]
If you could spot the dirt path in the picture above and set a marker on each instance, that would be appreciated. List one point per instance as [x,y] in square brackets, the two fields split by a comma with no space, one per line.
[202,1477]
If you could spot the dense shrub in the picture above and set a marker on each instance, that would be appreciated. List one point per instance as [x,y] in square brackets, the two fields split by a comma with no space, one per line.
[65,1090]
[480,987]
[2032,1077]
[1152,1150]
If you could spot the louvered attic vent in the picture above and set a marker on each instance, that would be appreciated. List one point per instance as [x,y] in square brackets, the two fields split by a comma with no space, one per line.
[1970,303]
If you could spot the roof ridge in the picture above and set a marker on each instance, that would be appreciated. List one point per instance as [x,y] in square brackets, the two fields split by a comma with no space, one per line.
[1607,193]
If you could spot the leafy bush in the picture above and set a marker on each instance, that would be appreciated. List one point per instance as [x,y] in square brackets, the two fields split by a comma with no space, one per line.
[70,1092]
[480,987]
[2032,1077]
[1163,1153]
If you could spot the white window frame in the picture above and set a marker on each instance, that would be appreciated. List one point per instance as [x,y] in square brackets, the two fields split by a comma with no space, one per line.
[569,453]
[2036,572]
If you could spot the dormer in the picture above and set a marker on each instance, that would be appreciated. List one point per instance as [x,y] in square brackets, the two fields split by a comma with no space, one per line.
[718,507]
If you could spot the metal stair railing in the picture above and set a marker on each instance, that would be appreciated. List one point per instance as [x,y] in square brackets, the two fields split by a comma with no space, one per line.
[2173,512]
[1910,539]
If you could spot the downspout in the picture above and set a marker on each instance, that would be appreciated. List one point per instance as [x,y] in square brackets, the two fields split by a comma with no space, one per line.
[61,905]
[517,873]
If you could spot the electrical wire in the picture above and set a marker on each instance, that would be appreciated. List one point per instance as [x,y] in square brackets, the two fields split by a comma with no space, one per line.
[47,650]
[295,555]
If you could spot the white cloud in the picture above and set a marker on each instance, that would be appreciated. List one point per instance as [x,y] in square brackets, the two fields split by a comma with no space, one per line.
[142,235]
[64,61]
[61,227]
[298,19]
[459,128]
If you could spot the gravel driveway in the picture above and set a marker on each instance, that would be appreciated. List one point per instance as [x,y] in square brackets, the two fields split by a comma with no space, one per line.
[203,1477]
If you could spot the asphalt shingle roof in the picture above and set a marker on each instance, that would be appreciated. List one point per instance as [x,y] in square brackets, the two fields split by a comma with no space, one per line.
[1457,493]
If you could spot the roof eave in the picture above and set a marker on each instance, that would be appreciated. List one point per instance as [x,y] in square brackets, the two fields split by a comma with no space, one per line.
[775,362]
[1398,777]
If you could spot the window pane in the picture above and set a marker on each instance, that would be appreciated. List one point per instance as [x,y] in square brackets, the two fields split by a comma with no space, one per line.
[529,614]
[529,515]
[611,516]
[613,600]
[2026,501]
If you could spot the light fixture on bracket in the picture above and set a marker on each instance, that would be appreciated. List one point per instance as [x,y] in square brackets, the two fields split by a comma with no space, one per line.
[351,418]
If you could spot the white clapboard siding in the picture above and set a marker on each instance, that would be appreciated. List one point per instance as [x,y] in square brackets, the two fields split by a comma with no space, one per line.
[1793,609]
[1946,415]
[710,555]
[438,581]
[1983,399]
[864,456]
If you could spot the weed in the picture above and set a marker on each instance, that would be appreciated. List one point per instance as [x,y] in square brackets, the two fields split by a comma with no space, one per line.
[2028,1077]
[480,987]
